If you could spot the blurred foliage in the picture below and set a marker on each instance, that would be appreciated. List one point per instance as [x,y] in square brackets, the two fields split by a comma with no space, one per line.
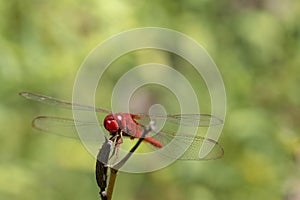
[256,46]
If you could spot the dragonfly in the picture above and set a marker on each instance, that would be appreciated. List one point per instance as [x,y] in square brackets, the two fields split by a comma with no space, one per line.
[127,125]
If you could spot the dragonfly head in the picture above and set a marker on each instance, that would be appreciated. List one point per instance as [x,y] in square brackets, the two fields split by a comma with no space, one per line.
[111,124]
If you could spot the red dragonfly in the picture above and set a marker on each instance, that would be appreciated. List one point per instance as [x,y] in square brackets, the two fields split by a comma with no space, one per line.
[128,125]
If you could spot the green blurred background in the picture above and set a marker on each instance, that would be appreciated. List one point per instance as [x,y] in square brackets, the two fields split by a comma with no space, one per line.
[255,45]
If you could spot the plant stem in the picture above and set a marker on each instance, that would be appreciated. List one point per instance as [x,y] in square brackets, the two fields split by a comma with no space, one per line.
[111,185]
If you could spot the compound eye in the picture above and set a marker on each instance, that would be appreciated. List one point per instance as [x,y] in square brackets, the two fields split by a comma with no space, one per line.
[111,125]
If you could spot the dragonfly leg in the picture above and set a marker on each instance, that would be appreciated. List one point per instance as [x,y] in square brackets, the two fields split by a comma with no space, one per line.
[117,140]
[113,139]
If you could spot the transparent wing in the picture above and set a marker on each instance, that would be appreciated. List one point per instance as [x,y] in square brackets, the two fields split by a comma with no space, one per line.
[60,103]
[60,126]
[194,120]
[211,149]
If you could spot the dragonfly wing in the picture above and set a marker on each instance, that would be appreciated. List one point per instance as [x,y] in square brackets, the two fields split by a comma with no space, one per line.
[60,126]
[203,149]
[60,103]
[195,148]
[202,120]
[194,120]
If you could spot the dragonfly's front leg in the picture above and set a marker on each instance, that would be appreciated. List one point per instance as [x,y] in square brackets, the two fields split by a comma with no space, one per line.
[118,139]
